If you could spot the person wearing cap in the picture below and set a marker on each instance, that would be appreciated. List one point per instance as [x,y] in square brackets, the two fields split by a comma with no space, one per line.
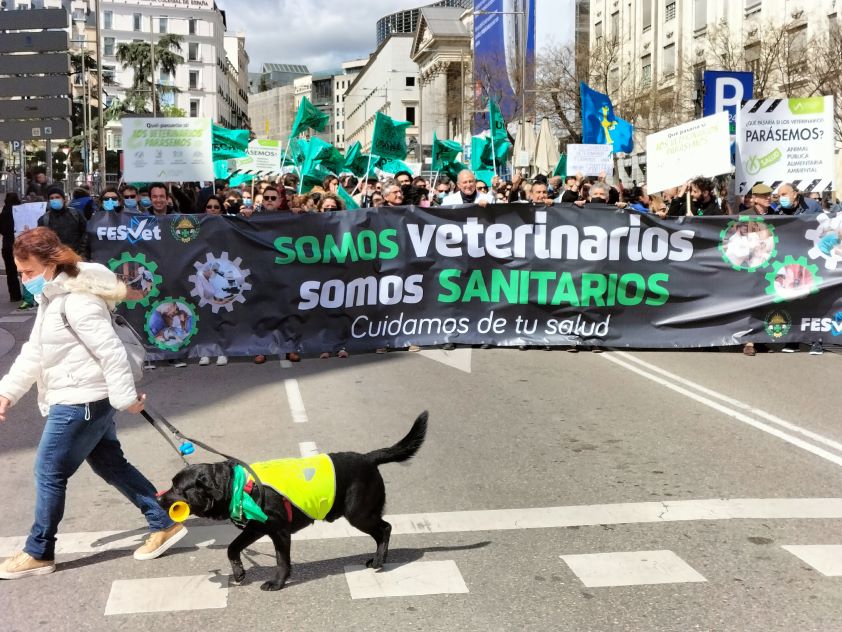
[761,197]
[68,223]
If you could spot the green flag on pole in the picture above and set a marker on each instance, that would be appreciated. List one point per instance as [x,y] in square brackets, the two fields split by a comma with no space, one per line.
[350,203]
[229,143]
[561,167]
[392,166]
[389,137]
[308,116]
[444,151]
[498,125]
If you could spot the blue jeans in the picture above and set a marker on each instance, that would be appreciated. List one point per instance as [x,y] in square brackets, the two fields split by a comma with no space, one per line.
[72,434]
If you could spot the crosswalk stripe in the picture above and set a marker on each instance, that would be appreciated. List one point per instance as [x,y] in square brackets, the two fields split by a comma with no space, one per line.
[405,580]
[632,568]
[481,520]
[167,594]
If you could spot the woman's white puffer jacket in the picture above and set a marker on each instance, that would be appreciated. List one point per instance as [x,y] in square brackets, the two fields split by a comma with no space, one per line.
[65,370]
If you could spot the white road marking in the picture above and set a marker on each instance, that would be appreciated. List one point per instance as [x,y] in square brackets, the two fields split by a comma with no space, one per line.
[731,412]
[286,364]
[308,448]
[634,568]
[736,403]
[167,594]
[405,580]
[296,402]
[457,358]
[825,558]
[16,318]
[477,521]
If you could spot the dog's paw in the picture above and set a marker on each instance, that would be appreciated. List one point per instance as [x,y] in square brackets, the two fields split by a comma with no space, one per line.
[271,585]
[374,563]
[238,573]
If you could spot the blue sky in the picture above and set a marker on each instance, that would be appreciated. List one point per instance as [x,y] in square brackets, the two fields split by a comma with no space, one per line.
[323,33]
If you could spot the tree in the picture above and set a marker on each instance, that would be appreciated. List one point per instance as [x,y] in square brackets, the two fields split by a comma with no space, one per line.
[137,55]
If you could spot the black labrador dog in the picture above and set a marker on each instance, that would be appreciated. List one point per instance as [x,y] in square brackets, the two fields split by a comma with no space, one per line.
[360,497]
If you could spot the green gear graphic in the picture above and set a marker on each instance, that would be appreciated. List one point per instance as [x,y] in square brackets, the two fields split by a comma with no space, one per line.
[141,259]
[788,261]
[163,345]
[733,224]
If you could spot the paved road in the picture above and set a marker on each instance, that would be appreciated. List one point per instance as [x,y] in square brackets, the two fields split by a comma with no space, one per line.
[615,491]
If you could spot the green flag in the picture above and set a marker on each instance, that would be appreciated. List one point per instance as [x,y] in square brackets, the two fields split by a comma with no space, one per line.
[350,203]
[451,169]
[485,175]
[444,151]
[389,137]
[478,148]
[229,143]
[357,162]
[561,167]
[498,125]
[308,116]
[393,166]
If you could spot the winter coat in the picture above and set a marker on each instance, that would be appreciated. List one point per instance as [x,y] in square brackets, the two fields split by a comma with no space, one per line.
[70,226]
[65,370]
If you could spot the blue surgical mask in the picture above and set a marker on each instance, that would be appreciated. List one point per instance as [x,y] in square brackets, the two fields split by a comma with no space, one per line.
[56,205]
[130,203]
[248,202]
[786,202]
[35,285]
[109,205]
[145,202]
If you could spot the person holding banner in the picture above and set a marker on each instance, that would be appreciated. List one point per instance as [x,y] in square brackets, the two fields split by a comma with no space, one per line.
[702,198]
[467,193]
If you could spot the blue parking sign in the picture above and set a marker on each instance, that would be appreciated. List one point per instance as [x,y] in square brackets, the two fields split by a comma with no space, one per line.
[725,90]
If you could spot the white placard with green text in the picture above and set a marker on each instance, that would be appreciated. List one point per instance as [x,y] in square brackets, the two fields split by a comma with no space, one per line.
[590,160]
[785,140]
[167,149]
[679,154]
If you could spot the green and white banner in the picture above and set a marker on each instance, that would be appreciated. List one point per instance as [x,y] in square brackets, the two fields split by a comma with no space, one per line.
[785,140]
[171,149]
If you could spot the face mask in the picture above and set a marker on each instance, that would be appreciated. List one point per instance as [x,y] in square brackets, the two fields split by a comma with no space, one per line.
[56,205]
[248,202]
[109,205]
[441,195]
[130,203]
[786,202]
[35,285]
[145,202]
[598,200]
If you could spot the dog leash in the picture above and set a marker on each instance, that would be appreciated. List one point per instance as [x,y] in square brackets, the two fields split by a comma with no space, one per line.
[187,446]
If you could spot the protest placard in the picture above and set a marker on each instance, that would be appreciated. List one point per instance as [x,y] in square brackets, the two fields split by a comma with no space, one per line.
[678,154]
[590,160]
[785,140]
[26,215]
[167,149]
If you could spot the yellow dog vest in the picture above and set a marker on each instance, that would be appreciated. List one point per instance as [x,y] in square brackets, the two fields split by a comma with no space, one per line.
[309,483]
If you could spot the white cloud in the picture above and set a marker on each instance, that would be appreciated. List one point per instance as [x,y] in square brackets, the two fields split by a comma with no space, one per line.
[318,33]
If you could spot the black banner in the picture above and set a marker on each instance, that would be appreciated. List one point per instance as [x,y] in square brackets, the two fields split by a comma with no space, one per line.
[504,275]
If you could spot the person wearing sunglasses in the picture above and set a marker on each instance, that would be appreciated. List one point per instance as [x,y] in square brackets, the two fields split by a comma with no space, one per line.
[274,199]
[110,201]
[214,205]
[129,196]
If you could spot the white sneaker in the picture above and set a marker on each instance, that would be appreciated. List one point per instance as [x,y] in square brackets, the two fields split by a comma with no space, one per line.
[816,348]
[204,361]
[221,361]
[179,364]
[149,366]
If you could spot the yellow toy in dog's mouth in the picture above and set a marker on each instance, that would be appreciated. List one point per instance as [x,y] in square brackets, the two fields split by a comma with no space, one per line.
[179,511]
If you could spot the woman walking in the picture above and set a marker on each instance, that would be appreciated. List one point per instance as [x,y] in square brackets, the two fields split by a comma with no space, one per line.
[83,378]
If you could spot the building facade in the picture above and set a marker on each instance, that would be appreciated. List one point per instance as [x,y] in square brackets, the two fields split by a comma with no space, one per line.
[341,83]
[272,112]
[406,21]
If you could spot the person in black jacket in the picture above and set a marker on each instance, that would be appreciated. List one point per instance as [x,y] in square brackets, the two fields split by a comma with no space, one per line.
[68,223]
[7,230]
[701,195]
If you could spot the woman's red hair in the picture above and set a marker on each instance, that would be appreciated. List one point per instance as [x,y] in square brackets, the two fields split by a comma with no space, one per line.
[43,244]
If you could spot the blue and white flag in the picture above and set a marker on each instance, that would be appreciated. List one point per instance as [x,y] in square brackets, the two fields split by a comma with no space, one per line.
[600,126]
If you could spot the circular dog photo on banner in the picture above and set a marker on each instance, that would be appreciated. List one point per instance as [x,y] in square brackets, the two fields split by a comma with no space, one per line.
[748,244]
[140,277]
[171,323]
[219,282]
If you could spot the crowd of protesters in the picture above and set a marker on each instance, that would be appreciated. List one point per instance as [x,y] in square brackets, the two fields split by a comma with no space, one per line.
[700,196]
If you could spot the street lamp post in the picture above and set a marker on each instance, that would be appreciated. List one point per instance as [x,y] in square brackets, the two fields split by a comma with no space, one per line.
[100,91]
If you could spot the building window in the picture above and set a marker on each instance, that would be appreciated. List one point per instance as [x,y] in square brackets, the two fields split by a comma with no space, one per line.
[193,51]
[193,82]
[752,6]
[137,18]
[669,11]
[613,81]
[162,25]
[108,46]
[107,19]
[647,15]
[646,70]
[410,114]
[410,82]
[669,60]
[700,17]
[108,73]
[752,57]
[194,108]
[615,25]
[597,29]
[191,26]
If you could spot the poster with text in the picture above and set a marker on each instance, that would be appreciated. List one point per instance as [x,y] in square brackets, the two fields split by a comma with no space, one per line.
[678,154]
[785,140]
[167,149]
[590,160]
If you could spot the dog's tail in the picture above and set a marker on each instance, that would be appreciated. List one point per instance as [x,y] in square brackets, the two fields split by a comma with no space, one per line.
[404,449]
